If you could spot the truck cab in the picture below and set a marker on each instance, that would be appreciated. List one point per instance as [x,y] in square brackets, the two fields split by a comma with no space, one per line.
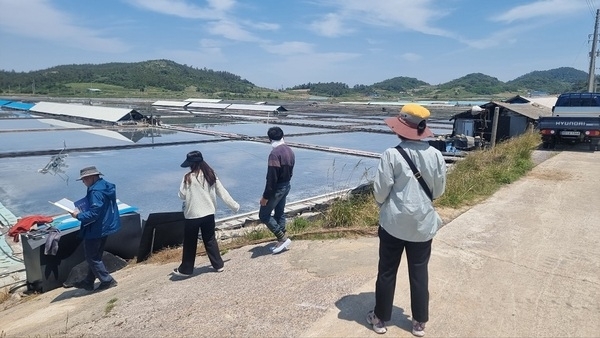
[577,105]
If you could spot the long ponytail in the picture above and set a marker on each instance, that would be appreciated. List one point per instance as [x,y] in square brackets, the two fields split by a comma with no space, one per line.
[207,172]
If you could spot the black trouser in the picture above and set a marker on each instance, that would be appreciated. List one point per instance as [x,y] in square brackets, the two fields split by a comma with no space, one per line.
[206,225]
[417,255]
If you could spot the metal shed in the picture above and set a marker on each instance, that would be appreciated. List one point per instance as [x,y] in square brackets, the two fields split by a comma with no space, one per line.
[93,113]
[513,120]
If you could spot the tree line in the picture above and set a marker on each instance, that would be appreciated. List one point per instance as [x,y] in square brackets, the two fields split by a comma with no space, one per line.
[173,77]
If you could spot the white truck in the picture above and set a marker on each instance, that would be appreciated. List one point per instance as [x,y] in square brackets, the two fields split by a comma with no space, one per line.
[575,119]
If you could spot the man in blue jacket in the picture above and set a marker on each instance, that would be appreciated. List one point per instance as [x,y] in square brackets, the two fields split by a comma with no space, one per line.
[99,219]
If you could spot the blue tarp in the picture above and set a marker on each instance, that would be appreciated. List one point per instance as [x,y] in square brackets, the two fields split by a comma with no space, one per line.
[19,105]
[64,222]
[4,102]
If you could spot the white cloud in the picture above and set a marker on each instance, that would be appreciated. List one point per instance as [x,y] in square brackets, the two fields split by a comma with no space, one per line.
[232,31]
[39,20]
[222,5]
[330,25]
[541,8]
[414,15]
[289,48]
[265,26]
[184,9]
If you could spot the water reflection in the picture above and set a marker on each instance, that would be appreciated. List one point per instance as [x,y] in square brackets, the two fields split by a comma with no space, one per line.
[149,177]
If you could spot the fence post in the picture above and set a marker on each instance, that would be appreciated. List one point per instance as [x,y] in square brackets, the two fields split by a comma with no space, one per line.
[495,126]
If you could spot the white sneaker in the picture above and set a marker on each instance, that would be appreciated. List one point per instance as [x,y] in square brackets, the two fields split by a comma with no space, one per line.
[418,328]
[377,324]
[281,246]
[176,272]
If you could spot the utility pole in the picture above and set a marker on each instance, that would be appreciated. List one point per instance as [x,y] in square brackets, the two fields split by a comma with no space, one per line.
[593,53]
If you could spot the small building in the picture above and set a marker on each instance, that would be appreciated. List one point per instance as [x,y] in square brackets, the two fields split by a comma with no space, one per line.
[96,114]
[513,119]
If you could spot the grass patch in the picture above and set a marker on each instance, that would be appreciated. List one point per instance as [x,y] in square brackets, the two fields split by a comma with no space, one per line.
[482,173]
[109,306]
[355,211]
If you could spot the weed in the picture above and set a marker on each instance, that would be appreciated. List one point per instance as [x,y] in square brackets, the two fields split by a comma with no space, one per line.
[4,295]
[110,305]
[167,255]
[258,234]
[481,173]
[356,210]
[298,225]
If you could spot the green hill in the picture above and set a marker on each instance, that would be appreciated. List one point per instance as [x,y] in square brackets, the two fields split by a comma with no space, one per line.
[156,75]
[167,79]
[552,81]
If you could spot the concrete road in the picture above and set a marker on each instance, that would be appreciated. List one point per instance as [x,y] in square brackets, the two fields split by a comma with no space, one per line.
[524,263]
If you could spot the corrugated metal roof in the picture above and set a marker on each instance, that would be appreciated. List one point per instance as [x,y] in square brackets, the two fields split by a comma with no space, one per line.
[548,101]
[179,104]
[87,112]
[533,111]
[208,105]
[204,100]
[544,101]
[256,107]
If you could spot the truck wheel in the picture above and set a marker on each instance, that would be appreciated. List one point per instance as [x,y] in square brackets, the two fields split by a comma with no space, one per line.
[593,146]
[545,145]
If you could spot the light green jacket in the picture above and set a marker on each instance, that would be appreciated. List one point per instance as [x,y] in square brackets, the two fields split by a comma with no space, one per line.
[405,210]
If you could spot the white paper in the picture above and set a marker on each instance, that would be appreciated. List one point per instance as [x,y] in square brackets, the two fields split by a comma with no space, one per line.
[65,204]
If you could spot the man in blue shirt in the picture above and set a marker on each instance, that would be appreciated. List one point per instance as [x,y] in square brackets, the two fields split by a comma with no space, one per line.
[100,219]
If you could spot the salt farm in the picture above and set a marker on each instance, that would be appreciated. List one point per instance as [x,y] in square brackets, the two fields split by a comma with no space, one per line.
[337,148]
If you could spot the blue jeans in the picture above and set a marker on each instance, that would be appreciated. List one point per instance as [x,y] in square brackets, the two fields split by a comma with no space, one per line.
[93,249]
[275,223]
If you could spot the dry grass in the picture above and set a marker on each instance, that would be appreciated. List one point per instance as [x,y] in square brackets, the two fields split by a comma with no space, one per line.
[481,173]
[4,295]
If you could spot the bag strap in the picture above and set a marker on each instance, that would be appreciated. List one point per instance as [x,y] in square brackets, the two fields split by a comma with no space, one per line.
[416,172]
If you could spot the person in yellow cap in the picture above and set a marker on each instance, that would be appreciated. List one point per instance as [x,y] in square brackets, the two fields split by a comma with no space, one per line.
[407,218]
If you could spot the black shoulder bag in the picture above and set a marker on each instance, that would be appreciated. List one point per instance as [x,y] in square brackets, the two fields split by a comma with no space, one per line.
[416,172]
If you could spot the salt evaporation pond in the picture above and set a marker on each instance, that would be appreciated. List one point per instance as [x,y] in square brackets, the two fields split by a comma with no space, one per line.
[148,177]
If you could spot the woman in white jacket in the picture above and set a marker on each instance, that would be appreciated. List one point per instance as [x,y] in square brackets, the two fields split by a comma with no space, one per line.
[199,189]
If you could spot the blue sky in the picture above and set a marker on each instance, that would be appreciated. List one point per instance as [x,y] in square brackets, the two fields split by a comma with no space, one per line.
[278,44]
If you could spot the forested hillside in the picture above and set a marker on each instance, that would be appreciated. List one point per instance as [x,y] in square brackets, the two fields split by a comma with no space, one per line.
[164,78]
[163,74]
[555,80]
